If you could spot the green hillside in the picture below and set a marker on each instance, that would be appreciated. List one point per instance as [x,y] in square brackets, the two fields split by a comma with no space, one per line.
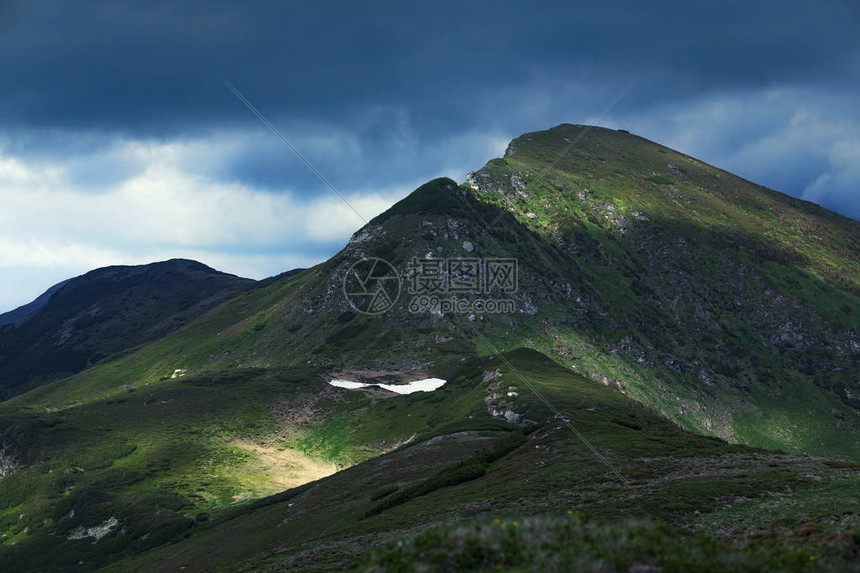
[175,479]
[104,312]
[682,347]
[731,308]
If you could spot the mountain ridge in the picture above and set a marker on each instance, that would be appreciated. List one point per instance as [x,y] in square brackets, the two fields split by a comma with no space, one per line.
[594,271]
[105,311]
[671,314]
[20,313]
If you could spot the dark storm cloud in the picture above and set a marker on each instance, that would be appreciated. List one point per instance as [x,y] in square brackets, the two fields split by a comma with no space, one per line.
[392,82]
[133,68]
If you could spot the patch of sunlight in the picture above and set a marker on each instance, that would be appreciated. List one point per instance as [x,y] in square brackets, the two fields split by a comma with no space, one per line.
[275,469]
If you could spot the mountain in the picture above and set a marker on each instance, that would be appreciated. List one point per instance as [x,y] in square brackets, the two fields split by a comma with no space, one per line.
[728,307]
[19,314]
[623,329]
[85,319]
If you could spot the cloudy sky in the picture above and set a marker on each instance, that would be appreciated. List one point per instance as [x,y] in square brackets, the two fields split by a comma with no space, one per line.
[121,144]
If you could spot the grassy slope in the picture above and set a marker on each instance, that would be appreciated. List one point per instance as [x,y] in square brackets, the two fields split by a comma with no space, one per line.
[125,441]
[690,273]
[695,484]
[158,458]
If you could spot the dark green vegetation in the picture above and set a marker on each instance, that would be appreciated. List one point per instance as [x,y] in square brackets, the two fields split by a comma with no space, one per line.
[104,312]
[693,484]
[668,311]
[578,544]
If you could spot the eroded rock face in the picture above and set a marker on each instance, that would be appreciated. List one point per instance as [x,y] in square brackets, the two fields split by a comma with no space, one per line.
[509,184]
[8,462]
[790,335]
[96,531]
[500,400]
[477,180]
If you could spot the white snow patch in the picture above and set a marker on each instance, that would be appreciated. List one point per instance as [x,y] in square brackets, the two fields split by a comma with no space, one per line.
[426,385]
[347,384]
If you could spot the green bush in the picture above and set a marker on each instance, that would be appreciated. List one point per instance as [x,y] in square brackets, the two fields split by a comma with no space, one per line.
[383,492]
[466,470]
[661,180]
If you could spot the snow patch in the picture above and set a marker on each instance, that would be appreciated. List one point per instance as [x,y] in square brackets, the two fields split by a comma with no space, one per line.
[347,384]
[426,385]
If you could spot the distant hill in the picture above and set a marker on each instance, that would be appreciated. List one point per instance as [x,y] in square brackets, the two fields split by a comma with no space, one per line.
[106,311]
[19,314]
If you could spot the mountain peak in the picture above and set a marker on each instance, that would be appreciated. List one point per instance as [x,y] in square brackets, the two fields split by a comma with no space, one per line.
[559,137]
[438,196]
